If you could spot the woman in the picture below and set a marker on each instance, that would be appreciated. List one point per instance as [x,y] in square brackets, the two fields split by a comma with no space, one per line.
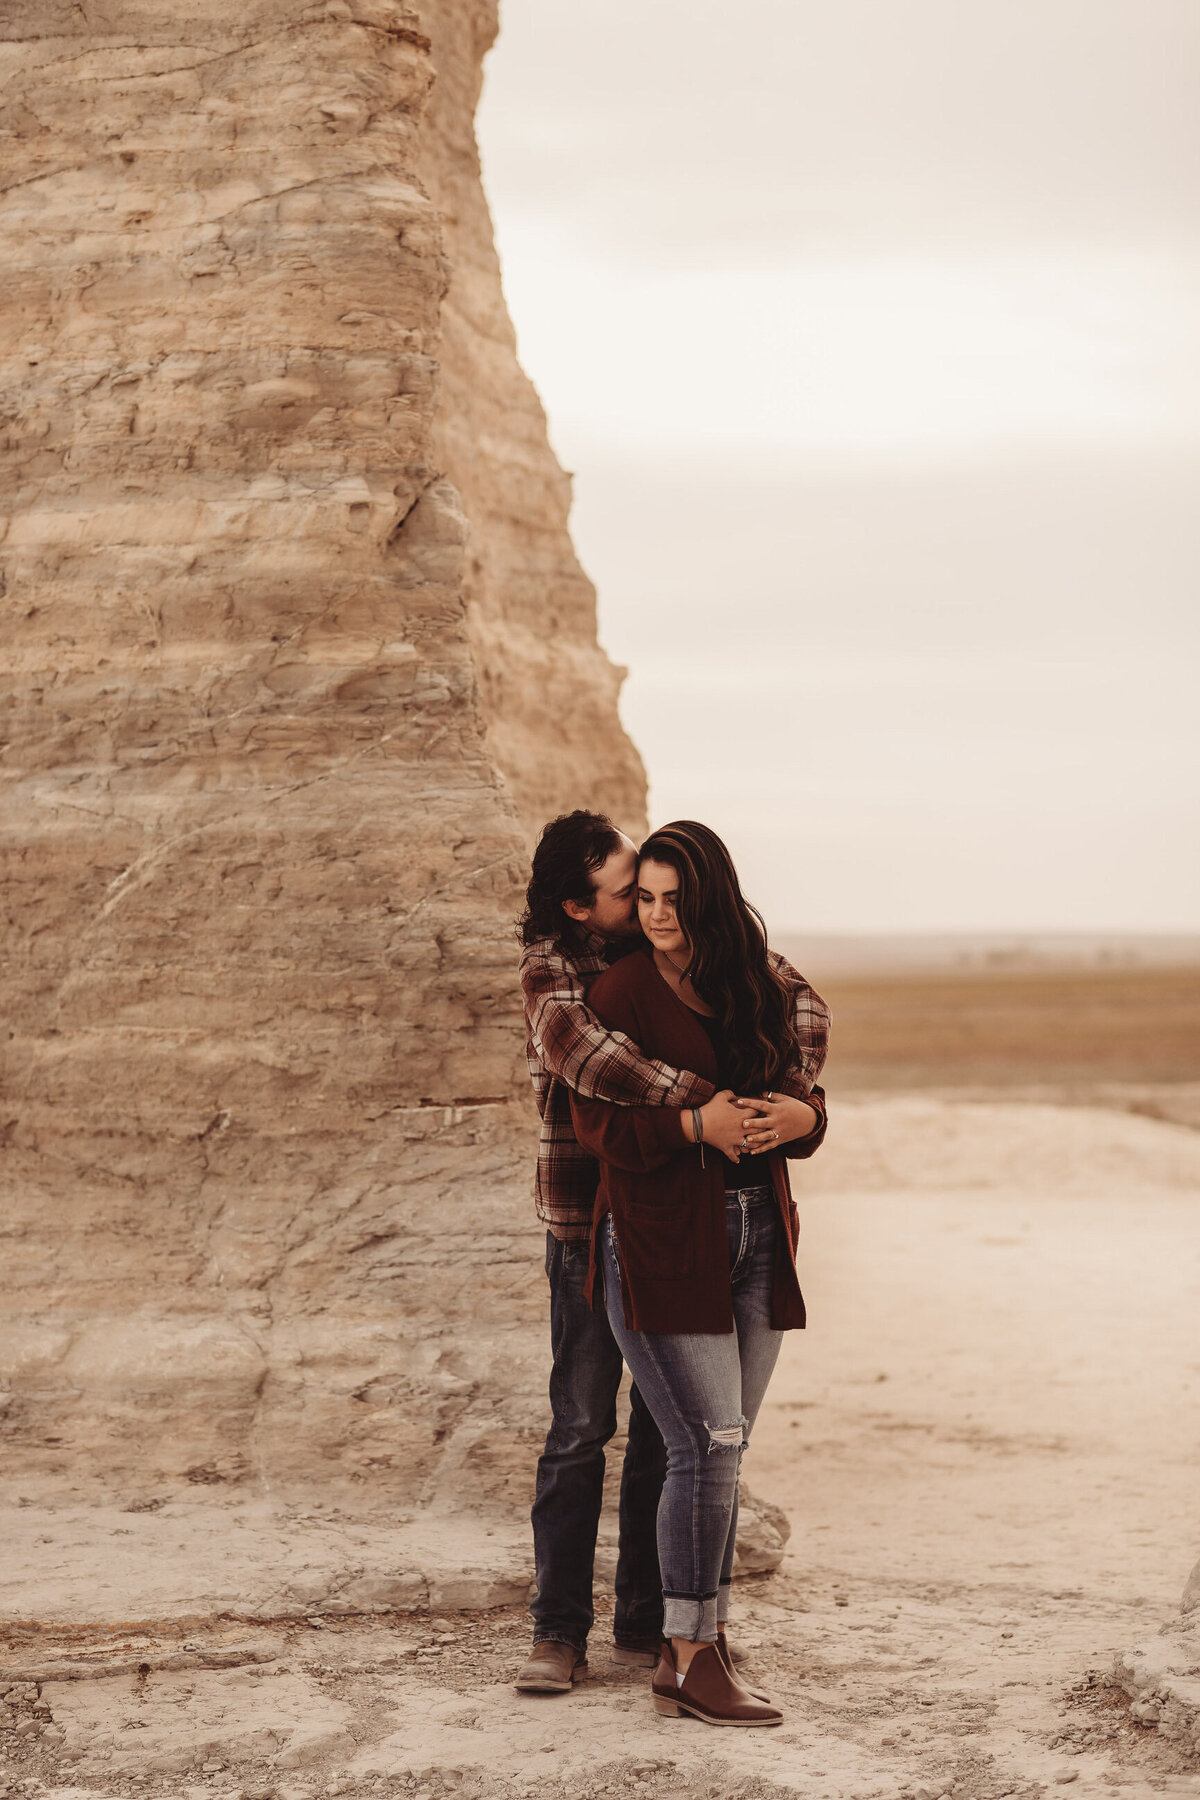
[694,1231]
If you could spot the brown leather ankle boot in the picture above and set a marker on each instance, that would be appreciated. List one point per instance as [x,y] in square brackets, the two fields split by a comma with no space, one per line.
[664,1688]
[708,1692]
[727,1659]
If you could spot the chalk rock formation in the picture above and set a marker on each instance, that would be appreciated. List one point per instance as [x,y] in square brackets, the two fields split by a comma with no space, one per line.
[548,693]
[1162,1678]
[762,1535]
[1162,1675]
[298,653]
[1191,1593]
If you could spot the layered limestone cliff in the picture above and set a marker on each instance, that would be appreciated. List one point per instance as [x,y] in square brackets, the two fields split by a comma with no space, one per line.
[283,549]
[548,692]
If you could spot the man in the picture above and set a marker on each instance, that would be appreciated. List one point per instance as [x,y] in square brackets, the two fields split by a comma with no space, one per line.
[580,916]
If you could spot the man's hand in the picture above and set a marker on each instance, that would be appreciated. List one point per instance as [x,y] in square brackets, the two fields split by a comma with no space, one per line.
[775,1119]
[722,1124]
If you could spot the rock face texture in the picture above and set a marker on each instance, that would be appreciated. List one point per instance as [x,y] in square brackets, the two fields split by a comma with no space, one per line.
[1162,1675]
[548,693]
[284,548]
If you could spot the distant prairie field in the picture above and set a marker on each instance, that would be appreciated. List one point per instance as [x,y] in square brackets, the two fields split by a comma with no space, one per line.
[1082,1027]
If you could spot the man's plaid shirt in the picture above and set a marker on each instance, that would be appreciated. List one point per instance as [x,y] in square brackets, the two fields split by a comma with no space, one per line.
[568,1048]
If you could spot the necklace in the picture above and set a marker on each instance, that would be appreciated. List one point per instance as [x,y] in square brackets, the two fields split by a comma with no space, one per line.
[683,974]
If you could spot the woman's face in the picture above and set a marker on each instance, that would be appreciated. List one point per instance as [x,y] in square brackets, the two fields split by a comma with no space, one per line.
[658,890]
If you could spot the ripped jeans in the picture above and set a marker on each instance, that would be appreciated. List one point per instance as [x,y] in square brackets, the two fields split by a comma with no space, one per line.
[704,1390]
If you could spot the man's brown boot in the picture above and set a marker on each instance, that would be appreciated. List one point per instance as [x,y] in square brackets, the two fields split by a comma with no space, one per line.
[631,1655]
[551,1669]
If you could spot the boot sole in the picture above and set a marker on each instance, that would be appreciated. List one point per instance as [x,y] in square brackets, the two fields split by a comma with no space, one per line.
[676,1709]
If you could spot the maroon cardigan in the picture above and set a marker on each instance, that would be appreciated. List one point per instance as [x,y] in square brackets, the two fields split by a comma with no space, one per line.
[669,1211]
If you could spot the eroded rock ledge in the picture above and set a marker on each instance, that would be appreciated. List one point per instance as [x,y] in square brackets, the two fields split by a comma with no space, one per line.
[284,548]
[1162,1675]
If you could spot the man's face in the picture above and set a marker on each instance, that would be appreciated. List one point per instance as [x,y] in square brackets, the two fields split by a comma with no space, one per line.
[613,912]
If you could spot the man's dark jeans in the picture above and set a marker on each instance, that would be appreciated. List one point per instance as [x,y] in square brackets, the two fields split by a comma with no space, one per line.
[570,1475]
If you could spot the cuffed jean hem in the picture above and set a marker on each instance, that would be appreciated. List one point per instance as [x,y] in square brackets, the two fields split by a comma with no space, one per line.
[723,1604]
[693,1620]
[559,1637]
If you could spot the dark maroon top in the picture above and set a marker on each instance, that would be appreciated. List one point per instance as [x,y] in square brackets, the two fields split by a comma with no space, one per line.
[669,1210]
[750,1171]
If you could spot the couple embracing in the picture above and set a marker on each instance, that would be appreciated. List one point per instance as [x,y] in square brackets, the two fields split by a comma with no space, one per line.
[674,1059]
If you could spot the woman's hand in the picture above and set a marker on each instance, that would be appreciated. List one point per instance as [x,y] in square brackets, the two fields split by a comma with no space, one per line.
[776,1119]
[722,1124]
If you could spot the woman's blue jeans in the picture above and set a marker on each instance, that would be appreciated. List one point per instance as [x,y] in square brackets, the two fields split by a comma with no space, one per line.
[704,1390]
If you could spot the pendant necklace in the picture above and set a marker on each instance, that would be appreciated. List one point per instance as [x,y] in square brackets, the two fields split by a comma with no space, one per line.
[683,974]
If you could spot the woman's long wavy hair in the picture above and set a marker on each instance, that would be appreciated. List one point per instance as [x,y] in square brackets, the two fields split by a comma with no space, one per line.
[729,968]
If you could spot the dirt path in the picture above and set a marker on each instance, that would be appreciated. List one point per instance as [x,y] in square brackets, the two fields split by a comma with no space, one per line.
[986,1443]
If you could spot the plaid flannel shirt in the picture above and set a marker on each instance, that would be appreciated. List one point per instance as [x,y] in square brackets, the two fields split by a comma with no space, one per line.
[568,1047]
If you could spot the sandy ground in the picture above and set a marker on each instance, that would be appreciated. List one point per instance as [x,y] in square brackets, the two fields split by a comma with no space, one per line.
[986,1442]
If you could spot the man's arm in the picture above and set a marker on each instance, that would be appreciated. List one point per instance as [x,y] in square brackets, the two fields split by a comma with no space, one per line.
[800,1148]
[810,1017]
[771,1126]
[594,1062]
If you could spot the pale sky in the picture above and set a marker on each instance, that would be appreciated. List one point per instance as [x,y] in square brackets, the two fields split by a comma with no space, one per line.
[871,333]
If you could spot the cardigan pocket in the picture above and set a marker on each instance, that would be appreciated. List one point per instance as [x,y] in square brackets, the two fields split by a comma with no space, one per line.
[657,1241]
